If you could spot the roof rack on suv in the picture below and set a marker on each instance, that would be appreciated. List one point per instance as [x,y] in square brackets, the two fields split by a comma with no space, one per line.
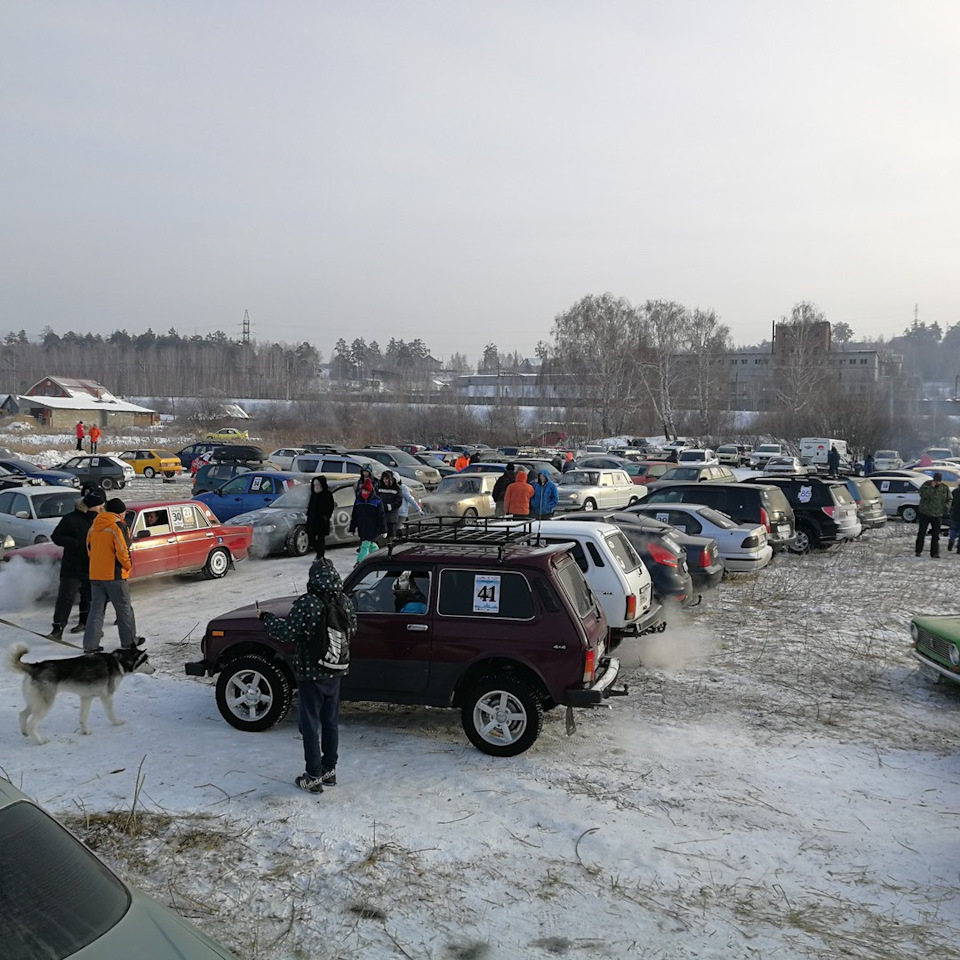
[482,531]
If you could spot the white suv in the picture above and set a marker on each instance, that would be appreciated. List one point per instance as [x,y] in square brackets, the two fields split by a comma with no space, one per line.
[614,570]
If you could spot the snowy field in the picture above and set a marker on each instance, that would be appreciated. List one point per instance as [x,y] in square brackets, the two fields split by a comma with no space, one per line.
[781,782]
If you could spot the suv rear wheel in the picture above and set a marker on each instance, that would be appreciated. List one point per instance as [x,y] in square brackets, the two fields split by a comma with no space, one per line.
[253,693]
[502,716]
[806,539]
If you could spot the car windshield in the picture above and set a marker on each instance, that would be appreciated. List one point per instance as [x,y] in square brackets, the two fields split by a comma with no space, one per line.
[17,464]
[728,450]
[55,896]
[717,518]
[59,504]
[296,498]
[768,448]
[580,478]
[459,485]
[886,455]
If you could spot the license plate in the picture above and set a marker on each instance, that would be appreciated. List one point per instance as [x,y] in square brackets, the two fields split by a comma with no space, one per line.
[784,529]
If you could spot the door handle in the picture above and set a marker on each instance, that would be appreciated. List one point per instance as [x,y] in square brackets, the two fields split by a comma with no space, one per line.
[171,539]
[417,626]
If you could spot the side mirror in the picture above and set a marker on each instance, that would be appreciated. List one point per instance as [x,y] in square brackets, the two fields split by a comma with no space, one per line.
[22,514]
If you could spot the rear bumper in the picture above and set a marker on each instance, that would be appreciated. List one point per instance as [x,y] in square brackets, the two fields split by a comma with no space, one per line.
[751,563]
[603,687]
[649,622]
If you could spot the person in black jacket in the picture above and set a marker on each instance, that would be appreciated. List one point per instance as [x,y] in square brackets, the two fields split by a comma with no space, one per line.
[71,534]
[319,511]
[500,487]
[392,498]
[368,519]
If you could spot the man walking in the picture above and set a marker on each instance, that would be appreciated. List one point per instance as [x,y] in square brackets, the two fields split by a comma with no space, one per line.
[109,552]
[934,504]
[71,534]
[320,625]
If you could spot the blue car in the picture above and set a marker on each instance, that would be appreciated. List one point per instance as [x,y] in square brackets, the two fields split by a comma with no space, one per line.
[249,491]
[56,478]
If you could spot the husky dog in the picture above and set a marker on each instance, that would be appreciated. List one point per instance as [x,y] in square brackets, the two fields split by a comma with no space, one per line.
[89,676]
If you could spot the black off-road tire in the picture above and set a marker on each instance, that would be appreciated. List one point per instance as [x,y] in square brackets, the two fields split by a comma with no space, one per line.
[253,693]
[502,715]
[298,542]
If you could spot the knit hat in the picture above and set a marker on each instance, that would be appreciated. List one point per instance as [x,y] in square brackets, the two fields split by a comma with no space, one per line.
[116,505]
[94,498]
[366,489]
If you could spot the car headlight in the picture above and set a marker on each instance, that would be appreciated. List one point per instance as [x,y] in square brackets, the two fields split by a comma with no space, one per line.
[265,527]
[954,656]
[914,632]
[418,474]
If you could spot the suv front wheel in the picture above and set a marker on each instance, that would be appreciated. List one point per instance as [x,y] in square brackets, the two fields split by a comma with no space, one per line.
[502,716]
[253,693]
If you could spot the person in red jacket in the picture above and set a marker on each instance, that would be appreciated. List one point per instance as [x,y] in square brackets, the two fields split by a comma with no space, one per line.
[81,433]
[516,501]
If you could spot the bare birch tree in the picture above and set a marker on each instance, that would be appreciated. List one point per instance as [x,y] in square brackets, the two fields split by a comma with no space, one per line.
[594,344]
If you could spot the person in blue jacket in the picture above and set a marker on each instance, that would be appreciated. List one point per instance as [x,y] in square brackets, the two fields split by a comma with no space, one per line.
[545,497]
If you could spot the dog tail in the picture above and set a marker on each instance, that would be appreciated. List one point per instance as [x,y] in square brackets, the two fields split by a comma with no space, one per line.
[17,652]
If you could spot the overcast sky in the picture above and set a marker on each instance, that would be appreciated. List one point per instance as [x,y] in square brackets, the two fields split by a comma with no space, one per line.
[464,171]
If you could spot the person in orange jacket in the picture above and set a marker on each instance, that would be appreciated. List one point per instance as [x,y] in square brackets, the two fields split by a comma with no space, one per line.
[516,501]
[108,546]
[463,461]
[94,438]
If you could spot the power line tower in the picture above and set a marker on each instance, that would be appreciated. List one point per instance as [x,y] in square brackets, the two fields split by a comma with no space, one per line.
[245,334]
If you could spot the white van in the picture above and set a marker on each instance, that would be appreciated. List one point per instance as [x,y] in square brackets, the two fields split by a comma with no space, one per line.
[613,569]
[815,450]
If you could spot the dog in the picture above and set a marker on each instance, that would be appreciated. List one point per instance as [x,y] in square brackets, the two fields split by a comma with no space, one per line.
[89,676]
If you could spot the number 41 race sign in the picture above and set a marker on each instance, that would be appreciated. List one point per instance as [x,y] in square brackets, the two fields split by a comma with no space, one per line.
[486,594]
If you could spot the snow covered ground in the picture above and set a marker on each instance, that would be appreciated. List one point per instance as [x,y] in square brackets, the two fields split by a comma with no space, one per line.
[781,782]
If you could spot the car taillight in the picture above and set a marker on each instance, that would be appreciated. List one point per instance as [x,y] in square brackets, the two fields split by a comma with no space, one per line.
[662,556]
[705,557]
[631,606]
[590,666]
[765,519]
[828,510]
[751,542]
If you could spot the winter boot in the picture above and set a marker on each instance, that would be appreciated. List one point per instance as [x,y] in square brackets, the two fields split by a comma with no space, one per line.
[310,784]
[78,627]
[56,633]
